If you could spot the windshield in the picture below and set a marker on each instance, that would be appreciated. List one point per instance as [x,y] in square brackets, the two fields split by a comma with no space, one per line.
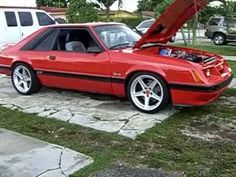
[117,36]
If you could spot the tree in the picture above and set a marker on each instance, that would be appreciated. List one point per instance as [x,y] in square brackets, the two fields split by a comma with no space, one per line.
[52,3]
[107,4]
[145,5]
[40,3]
[81,11]
[120,4]
[228,8]
[162,6]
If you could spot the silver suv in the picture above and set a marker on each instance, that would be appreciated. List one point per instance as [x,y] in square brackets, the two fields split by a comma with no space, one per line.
[221,30]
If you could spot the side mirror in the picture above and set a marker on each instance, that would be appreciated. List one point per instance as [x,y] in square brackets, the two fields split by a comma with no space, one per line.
[137,31]
[94,49]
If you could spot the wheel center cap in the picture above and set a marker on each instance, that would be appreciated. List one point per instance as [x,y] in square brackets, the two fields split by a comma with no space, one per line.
[147,92]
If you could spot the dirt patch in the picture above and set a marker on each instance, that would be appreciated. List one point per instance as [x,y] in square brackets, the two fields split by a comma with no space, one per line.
[216,125]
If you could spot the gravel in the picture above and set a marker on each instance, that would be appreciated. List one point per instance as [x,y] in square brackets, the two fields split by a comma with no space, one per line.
[125,171]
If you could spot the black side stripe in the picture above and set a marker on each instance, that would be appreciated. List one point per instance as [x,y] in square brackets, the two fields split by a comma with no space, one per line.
[201,88]
[6,68]
[80,76]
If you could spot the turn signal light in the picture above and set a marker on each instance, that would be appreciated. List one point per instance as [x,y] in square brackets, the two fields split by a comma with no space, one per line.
[196,77]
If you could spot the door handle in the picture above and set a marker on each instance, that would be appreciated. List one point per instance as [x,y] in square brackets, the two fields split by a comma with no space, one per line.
[51,57]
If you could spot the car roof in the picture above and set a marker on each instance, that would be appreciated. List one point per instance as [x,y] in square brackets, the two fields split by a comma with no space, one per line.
[2,8]
[90,24]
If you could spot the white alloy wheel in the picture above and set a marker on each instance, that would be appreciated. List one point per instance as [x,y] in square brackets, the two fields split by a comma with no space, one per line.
[22,79]
[146,92]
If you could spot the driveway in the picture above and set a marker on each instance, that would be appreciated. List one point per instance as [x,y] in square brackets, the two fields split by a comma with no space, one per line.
[22,156]
[99,112]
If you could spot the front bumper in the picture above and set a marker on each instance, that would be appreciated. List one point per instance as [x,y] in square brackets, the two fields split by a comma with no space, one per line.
[209,34]
[197,95]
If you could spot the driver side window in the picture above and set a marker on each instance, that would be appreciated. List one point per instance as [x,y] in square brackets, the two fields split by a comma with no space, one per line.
[72,40]
[75,40]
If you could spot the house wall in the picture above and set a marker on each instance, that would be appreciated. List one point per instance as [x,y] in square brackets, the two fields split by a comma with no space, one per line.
[18,3]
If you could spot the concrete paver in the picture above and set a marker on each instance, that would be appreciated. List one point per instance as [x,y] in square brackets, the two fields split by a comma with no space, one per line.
[22,156]
[89,110]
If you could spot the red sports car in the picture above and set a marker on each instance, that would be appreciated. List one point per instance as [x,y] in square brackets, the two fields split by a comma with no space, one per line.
[110,58]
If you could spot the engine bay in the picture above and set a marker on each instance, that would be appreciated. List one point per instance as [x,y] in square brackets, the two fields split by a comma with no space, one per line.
[181,54]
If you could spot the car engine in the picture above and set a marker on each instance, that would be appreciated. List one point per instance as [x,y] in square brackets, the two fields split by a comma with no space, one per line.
[180,54]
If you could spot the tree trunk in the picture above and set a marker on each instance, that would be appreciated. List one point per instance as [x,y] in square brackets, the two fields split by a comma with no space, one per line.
[184,38]
[195,30]
[108,12]
[189,34]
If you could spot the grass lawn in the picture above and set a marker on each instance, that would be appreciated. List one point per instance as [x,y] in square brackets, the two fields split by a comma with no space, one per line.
[208,150]
[221,50]
[232,64]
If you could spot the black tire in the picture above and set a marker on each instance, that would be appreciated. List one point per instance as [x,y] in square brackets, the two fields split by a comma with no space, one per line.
[166,94]
[219,39]
[35,85]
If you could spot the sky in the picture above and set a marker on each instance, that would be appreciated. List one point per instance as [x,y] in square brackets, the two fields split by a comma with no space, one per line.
[27,3]
[129,5]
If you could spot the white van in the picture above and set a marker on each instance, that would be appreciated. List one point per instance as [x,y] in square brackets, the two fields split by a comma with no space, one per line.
[17,23]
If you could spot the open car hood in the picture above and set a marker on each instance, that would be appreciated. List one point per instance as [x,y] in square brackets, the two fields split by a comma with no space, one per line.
[179,12]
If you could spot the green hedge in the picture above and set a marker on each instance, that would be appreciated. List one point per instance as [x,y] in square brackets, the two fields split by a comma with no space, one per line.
[130,21]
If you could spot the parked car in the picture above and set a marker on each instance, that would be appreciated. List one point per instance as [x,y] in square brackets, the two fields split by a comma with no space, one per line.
[16,24]
[221,30]
[145,25]
[110,58]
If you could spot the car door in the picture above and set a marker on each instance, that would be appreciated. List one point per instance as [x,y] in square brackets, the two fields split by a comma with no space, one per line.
[72,69]
[27,23]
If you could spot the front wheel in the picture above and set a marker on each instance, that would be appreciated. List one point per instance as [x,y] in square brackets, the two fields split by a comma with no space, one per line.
[24,79]
[148,92]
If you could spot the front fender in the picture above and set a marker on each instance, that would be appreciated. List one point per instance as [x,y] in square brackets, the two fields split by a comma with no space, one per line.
[147,68]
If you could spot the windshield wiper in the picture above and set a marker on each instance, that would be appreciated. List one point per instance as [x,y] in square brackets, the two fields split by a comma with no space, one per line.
[127,44]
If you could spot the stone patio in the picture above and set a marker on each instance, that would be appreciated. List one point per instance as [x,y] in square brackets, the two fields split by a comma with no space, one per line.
[99,112]
[22,156]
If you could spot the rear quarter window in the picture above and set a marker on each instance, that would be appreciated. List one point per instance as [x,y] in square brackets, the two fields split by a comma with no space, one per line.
[44,19]
[10,19]
[25,18]
[31,45]
[47,43]
[214,21]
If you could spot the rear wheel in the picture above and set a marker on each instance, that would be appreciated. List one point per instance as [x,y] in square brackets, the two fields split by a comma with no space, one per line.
[148,92]
[219,39]
[24,79]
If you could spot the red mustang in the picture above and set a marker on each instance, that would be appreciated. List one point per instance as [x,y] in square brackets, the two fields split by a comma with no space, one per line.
[110,58]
